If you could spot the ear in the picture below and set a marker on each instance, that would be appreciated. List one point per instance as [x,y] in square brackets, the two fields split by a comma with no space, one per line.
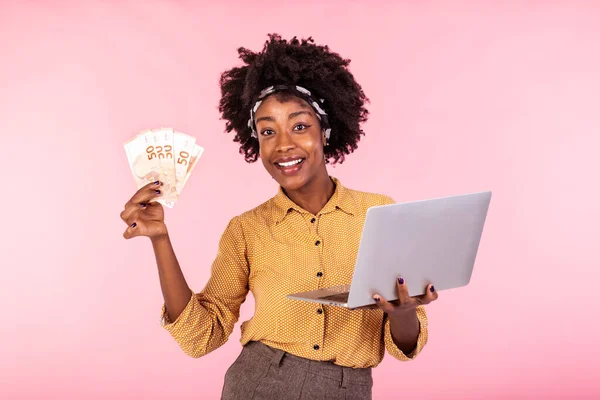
[323,137]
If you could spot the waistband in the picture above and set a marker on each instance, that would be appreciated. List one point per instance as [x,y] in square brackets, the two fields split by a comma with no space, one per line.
[344,375]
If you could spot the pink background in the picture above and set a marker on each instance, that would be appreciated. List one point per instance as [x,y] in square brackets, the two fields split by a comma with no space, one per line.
[464,98]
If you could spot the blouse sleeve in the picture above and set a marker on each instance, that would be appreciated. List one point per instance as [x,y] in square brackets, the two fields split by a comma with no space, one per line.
[421,341]
[209,317]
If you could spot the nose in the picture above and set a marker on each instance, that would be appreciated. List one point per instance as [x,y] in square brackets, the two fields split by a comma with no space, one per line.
[285,142]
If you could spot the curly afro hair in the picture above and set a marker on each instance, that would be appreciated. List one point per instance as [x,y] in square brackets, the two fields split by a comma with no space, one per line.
[295,62]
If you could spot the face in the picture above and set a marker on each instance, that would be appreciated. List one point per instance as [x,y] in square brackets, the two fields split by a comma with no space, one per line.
[290,141]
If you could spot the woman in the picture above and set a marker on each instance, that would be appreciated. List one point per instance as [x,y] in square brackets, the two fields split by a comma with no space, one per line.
[295,106]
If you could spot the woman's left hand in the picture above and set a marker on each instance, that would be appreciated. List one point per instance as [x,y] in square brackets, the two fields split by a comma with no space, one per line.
[405,302]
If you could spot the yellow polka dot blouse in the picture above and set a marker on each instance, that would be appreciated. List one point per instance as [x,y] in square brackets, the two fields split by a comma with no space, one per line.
[277,249]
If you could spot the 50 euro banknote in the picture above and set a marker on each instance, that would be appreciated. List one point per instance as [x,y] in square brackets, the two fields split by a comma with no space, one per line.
[165,155]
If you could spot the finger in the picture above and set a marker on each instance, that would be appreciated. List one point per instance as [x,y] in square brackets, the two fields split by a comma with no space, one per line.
[430,295]
[129,214]
[134,229]
[141,199]
[383,304]
[152,211]
[132,217]
[146,193]
[149,211]
[403,296]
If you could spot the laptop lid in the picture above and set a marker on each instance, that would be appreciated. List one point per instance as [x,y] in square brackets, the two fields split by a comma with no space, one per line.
[428,241]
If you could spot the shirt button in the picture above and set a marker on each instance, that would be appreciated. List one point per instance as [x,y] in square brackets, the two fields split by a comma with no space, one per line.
[319,311]
[316,347]
[319,274]
[313,220]
[318,242]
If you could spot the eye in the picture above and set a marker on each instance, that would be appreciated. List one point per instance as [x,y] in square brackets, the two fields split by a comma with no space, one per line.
[267,132]
[301,127]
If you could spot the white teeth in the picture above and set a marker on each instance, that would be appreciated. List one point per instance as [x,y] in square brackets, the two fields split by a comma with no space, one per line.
[290,163]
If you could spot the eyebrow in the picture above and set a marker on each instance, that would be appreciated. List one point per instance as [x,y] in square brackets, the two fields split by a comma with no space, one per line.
[292,115]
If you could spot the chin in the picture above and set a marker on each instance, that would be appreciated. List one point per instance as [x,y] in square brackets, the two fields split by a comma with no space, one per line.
[290,183]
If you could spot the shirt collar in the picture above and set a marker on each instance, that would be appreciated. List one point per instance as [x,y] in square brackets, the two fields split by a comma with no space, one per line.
[341,199]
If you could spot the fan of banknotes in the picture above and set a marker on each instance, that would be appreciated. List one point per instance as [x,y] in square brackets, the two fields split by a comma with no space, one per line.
[165,155]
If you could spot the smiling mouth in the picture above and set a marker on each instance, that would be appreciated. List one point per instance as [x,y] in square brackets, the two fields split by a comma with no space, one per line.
[290,167]
[290,163]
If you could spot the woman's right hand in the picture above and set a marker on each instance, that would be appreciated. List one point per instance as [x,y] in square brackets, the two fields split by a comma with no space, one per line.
[144,215]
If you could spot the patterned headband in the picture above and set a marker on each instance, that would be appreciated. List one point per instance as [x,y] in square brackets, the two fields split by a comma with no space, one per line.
[298,91]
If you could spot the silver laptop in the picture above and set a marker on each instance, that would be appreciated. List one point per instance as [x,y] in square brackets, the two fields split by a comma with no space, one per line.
[429,241]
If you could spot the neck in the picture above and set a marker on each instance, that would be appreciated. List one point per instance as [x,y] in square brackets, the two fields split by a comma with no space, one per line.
[315,195]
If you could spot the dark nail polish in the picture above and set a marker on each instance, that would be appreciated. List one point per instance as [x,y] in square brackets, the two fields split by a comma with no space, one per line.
[432,289]
[401,281]
[377,299]
[133,225]
[157,182]
[157,191]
